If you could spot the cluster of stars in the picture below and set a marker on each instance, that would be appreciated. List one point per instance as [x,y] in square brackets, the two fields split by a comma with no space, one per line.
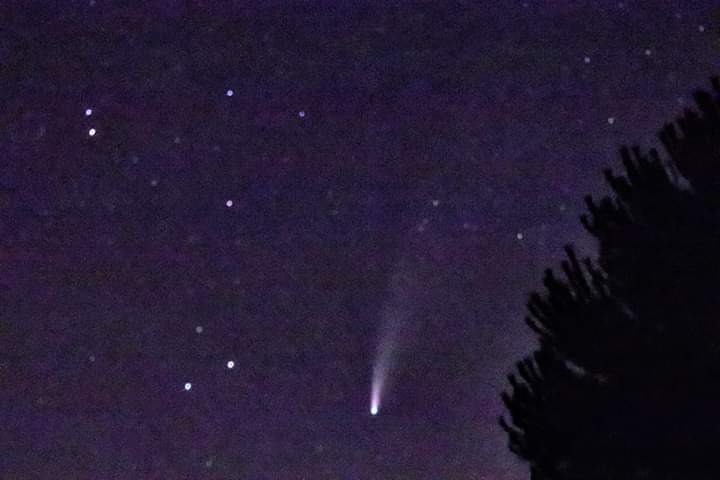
[188,385]
[92,131]
[648,51]
[88,113]
[230,364]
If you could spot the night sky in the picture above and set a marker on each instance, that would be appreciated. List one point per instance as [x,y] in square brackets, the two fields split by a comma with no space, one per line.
[275,184]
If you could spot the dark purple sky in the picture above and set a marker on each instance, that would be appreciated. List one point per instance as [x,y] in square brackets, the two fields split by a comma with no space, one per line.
[447,143]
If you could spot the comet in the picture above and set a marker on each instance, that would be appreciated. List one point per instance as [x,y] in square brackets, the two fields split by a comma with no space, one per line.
[393,330]
[380,371]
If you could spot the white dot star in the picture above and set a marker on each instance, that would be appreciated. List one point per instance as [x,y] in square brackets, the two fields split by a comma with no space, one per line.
[154,182]
[586,59]
[88,112]
[231,364]
[230,93]
[92,132]
[435,203]
[701,28]
[648,52]
[229,203]
[188,386]
[301,113]
[611,120]
[199,329]
[519,236]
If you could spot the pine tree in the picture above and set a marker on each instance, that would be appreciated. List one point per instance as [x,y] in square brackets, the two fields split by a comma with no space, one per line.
[625,382]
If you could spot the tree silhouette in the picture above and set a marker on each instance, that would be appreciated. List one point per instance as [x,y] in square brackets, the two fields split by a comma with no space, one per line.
[625,382]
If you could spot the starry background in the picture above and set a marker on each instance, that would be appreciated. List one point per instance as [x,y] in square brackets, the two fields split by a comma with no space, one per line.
[187,184]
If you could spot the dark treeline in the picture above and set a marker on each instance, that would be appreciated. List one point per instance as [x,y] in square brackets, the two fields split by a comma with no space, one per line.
[625,382]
